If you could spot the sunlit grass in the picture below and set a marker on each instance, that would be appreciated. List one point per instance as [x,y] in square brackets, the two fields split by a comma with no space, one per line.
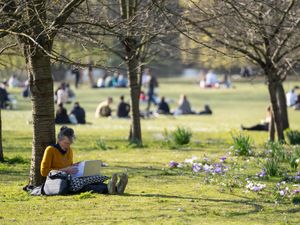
[155,194]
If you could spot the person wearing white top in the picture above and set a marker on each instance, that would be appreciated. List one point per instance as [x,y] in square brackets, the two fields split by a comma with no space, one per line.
[211,79]
[291,98]
[13,81]
[62,96]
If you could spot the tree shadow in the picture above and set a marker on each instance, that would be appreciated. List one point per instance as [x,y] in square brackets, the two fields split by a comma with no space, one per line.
[256,207]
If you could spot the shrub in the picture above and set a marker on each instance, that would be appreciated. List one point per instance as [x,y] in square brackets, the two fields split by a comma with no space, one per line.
[294,163]
[296,200]
[295,158]
[293,136]
[181,135]
[271,167]
[242,144]
[276,151]
[100,144]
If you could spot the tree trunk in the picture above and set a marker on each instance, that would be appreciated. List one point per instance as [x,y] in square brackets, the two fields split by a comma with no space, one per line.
[272,87]
[272,130]
[41,88]
[91,79]
[281,99]
[1,149]
[133,65]
[133,71]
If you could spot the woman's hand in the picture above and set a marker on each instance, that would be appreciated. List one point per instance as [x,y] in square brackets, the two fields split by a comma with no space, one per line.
[70,170]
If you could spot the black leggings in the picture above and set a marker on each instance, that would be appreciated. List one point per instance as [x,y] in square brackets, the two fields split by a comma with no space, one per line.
[259,127]
[98,188]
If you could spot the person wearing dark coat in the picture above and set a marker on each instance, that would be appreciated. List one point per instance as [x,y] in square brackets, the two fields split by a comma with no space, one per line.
[4,100]
[61,115]
[79,113]
[123,108]
[207,110]
[163,107]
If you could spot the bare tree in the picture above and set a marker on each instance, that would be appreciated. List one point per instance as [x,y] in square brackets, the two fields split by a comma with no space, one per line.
[35,24]
[266,32]
[126,28]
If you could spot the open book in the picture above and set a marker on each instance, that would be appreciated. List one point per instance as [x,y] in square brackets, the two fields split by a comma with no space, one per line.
[87,168]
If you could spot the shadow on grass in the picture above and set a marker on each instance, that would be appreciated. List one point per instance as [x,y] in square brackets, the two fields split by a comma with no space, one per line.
[152,171]
[256,207]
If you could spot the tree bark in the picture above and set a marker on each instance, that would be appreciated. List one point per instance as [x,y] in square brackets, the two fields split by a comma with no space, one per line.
[1,149]
[272,87]
[41,88]
[272,130]
[281,99]
[133,65]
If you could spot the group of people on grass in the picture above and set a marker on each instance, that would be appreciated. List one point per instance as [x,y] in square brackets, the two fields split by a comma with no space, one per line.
[162,107]
[64,94]
[210,80]
[116,80]
[104,108]
[76,116]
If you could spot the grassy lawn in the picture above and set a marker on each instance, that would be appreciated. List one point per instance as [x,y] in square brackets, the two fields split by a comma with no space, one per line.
[156,194]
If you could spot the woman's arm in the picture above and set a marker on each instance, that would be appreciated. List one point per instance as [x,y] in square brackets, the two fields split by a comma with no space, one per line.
[46,164]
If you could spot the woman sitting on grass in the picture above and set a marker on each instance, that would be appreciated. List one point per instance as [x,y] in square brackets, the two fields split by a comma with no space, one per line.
[60,157]
[264,125]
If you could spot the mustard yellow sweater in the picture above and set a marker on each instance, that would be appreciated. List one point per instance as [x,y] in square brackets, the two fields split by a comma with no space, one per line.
[53,159]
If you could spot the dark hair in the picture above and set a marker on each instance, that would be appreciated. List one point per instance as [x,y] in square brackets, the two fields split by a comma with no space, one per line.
[66,132]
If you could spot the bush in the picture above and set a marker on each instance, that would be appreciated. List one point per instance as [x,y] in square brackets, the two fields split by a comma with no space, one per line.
[271,167]
[181,136]
[293,136]
[295,158]
[296,200]
[242,144]
[276,151]
[100,144]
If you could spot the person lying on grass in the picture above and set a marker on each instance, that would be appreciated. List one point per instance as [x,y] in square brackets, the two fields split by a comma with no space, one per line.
[60,157]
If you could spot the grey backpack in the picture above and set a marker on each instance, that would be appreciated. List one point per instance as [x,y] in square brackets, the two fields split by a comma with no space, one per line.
[57,183]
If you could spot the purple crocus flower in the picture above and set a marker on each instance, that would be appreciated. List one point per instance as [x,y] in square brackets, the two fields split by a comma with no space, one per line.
[256,188]
[218,170]
[297,177]
[296,191]
[206,159]
[223,158]
[263,173]
[207,168]
[197,167]
[173,164]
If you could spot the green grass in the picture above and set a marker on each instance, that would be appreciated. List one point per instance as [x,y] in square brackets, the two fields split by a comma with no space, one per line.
[155,193]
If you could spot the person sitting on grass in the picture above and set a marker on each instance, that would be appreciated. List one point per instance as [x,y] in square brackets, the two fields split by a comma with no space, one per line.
[207,110]
[60,157]
[163,107]
[264,125]
[61,115]
[79,113]
[123,108]
[103,109]
[184,106]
